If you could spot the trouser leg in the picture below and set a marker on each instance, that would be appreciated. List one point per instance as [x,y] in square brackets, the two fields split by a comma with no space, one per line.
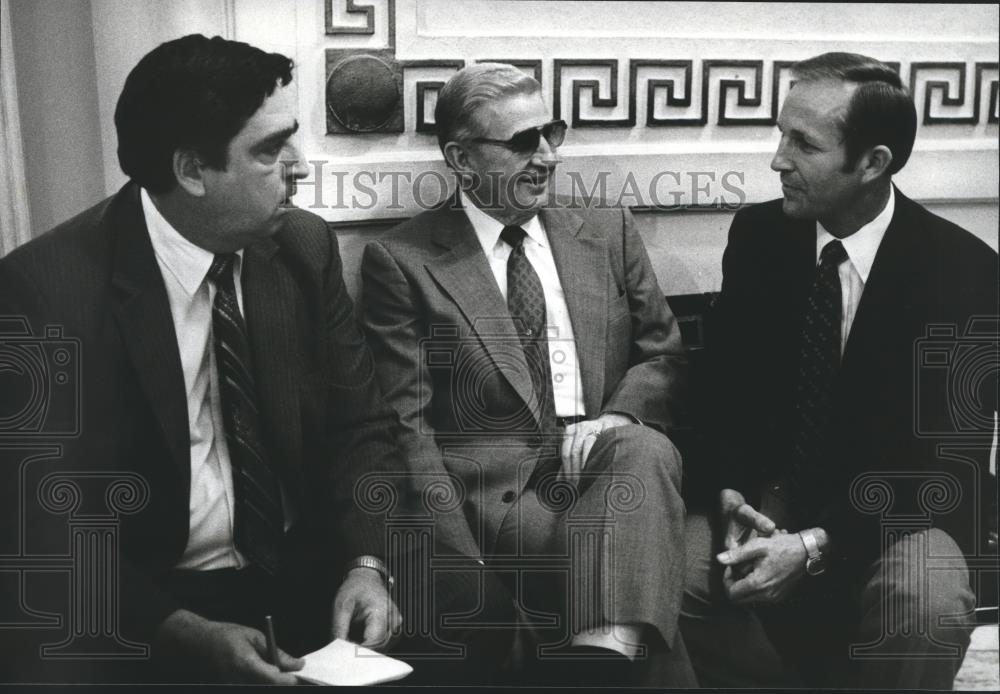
[625,532]
[615,540]
[916,616]
[727,643]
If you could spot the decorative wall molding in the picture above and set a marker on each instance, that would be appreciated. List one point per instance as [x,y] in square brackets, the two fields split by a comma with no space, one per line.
[943,87]
[363,92]
[679,109]
[738,91]
[351,8]
[229,19]
[758,86]
[427,88]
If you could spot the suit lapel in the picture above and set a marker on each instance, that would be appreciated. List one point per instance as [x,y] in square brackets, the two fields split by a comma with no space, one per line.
[142,312]
[582,264]
[464,273]
[268,298]
[884,297]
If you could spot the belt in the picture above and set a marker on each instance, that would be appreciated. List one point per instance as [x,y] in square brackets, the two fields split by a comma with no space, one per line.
[563,422]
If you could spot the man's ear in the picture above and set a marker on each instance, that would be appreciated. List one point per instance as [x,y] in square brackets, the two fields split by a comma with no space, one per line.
[188,170]
[457,158]
[875,163]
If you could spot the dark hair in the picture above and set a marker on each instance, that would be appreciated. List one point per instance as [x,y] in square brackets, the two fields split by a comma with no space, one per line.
[881,110]
[192,92]
[470,89]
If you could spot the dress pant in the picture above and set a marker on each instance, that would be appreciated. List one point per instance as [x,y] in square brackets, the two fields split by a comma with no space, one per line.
[608,550]
[905,624]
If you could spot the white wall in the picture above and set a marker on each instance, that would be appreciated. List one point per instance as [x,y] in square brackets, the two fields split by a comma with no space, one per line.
[954,169]
[53,49]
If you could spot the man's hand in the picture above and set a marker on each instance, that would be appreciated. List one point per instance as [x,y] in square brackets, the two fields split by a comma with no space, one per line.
[778,562]
[229,653]
[579,438]
[743,521]
[362,598]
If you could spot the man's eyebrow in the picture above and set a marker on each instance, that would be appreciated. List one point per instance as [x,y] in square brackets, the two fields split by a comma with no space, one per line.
[798,134]
[279,136]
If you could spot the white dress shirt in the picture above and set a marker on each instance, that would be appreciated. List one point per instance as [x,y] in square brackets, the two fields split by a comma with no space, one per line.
[567,389]
[184,267]
[861,247]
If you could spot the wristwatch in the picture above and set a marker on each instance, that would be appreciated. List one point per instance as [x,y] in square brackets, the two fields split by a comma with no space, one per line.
[815,561]
[366,561]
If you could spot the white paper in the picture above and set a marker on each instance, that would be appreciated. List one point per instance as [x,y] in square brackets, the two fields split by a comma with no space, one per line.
[345,664]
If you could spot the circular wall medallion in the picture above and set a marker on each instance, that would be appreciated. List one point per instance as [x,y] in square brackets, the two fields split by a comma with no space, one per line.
[362,94]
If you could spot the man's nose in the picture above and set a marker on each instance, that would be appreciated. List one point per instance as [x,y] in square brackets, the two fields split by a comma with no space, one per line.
[294,163]
[545,154]
[780,161]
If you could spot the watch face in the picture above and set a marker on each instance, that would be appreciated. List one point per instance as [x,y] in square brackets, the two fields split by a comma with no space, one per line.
[815,566]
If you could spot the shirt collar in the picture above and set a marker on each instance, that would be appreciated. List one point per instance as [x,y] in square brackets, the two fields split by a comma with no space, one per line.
[187,262]
[862,245]
[488,229]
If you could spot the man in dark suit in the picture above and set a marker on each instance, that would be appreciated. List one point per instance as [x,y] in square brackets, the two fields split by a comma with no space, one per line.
[853,468]
[223,377]
[535,363]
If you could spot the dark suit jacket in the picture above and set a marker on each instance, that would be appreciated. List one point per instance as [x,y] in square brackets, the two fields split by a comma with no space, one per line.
[449,359]
[324,424]
[911,433]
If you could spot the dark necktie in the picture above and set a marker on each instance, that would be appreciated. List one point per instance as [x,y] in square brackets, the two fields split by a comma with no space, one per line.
[819,361]
[526,303]
[259,521]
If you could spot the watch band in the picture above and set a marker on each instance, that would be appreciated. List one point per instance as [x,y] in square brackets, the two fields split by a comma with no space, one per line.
[367,561]
[815,561]
[809,540]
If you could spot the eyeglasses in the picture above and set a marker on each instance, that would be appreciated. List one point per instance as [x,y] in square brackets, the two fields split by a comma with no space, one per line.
[526,141]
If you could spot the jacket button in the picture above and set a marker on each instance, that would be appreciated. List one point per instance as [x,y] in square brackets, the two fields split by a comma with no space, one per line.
[507,497]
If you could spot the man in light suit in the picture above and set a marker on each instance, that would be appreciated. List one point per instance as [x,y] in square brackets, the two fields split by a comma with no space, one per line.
[535,364]
[853,469]
[223,373]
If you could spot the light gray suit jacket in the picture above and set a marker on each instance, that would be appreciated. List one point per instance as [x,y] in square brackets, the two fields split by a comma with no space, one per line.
[449,359]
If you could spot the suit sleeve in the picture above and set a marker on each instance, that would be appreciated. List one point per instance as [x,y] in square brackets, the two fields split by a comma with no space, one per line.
[723,415]
[656,378]
[362,429]
[395,326]
[142,605]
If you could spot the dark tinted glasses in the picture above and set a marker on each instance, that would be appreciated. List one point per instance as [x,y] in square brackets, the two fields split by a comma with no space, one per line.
[526,141]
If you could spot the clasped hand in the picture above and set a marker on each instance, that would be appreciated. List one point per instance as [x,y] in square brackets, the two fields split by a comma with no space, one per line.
[579,438]
[762,563]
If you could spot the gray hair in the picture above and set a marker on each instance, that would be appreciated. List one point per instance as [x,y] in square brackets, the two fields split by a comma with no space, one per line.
[470,89]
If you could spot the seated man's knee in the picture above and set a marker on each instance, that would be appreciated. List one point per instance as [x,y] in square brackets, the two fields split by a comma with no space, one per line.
[925,578]
[639,449]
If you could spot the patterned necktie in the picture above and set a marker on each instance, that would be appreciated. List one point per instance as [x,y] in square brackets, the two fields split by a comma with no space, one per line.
[819,361]
[526,303]
[259,521]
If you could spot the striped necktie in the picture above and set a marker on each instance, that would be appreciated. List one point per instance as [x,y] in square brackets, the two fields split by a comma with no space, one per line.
[526,303]
[259,521]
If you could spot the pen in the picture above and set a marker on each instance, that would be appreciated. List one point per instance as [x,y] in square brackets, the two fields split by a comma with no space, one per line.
[272,644]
